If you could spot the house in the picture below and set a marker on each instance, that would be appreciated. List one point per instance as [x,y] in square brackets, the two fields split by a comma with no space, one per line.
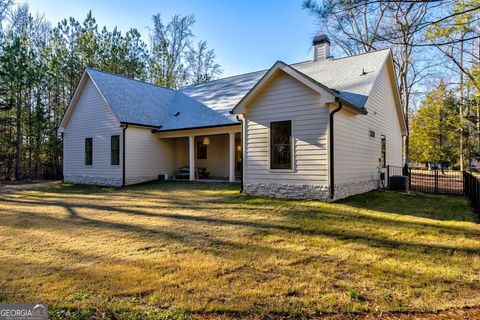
[321,129]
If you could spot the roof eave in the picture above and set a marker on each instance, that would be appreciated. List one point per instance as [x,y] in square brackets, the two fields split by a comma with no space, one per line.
[281,66]
[197,127]
[140,125]
[352,107]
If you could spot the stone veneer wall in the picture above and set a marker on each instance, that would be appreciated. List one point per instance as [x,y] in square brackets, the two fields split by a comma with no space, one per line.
[308,192]
[349,189]
[102,181]
[135,180]
[288,191]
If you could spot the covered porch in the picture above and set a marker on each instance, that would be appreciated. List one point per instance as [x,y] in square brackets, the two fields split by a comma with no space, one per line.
[211,154]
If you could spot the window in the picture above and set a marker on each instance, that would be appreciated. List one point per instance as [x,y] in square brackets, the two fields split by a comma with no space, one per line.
[281,145]
[383,156]
[201,151]
[88,151]
[371,134]
[115,150]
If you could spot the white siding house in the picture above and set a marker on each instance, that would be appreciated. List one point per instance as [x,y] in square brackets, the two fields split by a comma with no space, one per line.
[94,119]
[286,99]
[357,154]
[146,156]
[321,129]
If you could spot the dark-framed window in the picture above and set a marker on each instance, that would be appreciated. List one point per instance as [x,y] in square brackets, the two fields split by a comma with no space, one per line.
[201,151]
[115,150]
[281,145]
[88,151]
[383,149]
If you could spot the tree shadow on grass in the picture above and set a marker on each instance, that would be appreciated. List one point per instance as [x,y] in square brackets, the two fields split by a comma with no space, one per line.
[367,238]
[220,247]
[164,186]
[249,251]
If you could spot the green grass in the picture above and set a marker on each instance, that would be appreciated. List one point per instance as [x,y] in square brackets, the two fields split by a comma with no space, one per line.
[176,250]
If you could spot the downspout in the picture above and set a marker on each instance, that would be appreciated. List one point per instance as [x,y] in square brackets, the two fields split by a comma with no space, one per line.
[62,135]
[241,154]
[123,155]
[332,150]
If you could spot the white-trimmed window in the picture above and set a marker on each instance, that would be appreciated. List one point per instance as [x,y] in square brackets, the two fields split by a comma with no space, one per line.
[88,151]
[281,145]
[115,150]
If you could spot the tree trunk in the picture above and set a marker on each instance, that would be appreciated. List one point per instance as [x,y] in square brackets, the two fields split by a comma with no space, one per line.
[478,111]
[38,140]
[405,100]
[461,107]
[18,127]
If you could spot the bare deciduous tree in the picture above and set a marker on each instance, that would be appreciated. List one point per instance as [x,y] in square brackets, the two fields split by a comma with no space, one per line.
[201,64]
[168,45]
[353,25]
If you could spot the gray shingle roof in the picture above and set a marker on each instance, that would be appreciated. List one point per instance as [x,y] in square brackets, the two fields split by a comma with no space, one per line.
[147,104]
[210,103]
[223,94]
[343,75]
[352,76]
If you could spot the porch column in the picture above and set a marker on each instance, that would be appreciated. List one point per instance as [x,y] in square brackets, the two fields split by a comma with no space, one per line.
[191,156]
[232,156]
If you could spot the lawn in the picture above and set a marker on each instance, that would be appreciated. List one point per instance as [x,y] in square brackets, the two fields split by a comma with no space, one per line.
[176,249]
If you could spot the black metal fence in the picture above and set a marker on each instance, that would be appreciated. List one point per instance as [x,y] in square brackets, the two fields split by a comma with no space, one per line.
[438,181]
[449,182]
[472,189]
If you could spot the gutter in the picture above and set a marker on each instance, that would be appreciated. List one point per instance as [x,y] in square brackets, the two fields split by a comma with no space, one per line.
[332,149]
[351,107]
[138,125]
[123,155]
[192,128]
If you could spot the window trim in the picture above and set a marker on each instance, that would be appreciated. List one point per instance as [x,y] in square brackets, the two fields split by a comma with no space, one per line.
[292,146]
[200,143]
[111,150]
[85,152]
[383,153]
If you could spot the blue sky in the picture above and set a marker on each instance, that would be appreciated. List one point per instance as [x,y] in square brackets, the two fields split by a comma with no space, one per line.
[247,35]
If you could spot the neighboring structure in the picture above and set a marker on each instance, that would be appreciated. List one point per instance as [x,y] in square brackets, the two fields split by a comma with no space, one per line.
[306,127]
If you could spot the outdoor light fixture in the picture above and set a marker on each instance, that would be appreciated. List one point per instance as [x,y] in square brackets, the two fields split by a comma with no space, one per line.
[239,148]
[206,141]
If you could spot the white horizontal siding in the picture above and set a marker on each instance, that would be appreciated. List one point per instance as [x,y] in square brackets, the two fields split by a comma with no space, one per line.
[356,154]
[91,118]
[180,153]
[146,155]
[287,99]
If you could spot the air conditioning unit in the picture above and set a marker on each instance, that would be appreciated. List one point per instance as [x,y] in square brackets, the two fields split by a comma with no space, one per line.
[162,177]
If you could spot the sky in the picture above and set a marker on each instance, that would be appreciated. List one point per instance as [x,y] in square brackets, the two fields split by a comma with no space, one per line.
[246,35]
